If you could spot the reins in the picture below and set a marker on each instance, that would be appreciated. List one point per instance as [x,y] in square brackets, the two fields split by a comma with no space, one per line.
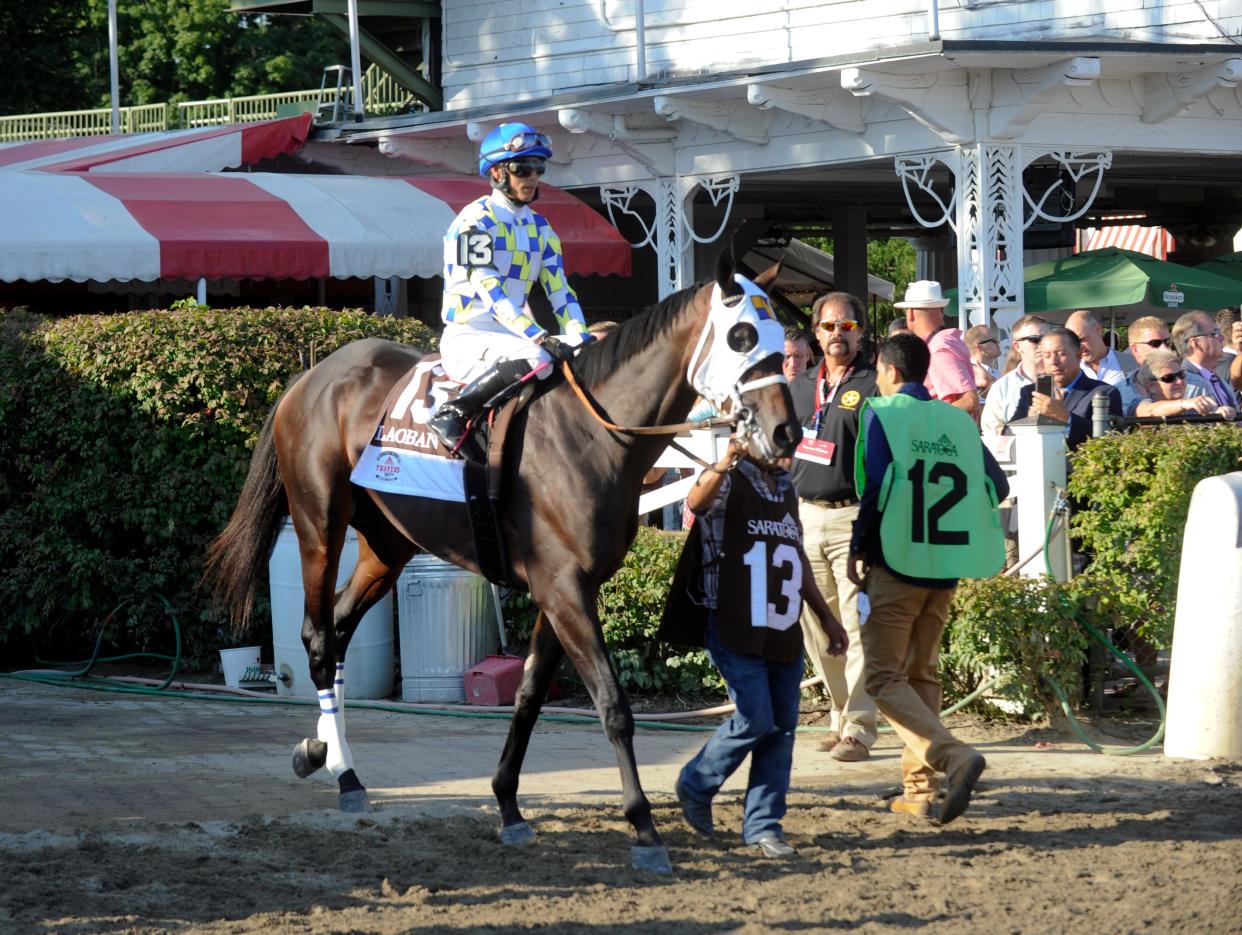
[646,429]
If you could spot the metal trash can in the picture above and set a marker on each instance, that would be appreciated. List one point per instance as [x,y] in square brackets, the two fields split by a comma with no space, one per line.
[369,665]
[446,622]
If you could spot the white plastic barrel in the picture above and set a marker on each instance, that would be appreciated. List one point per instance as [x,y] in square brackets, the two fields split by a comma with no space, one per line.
[369,665]
[1205,681]
[447,623]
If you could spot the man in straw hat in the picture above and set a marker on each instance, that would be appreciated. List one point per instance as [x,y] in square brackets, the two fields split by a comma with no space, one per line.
[950,377]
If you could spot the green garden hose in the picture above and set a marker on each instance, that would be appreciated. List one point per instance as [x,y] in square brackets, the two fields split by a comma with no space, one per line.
[1095,633]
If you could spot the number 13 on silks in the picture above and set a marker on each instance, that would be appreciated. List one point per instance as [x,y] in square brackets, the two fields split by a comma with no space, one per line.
[474,248]
[786,569]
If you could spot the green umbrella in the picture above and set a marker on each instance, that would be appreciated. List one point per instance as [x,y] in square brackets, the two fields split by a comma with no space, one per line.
[1229,265]
[1130,284]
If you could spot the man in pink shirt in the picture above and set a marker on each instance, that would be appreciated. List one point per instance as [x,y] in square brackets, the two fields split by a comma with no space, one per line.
[950,377]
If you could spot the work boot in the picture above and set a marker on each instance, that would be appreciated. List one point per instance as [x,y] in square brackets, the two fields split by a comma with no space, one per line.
[450,421]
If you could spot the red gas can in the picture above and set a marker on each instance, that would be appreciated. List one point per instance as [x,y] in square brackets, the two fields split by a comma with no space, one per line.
[493,681]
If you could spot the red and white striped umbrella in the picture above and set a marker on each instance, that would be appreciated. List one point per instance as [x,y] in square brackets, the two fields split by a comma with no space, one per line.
[122,226]
[1153,241]
[205,149]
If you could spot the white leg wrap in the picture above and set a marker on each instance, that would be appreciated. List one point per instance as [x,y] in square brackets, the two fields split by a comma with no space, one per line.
[332,732]
[338,686]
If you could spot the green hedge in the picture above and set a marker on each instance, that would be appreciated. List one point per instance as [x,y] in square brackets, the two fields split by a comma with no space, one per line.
[124,440]
[1135,490]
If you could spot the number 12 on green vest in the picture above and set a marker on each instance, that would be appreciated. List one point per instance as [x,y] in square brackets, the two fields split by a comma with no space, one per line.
[924,521]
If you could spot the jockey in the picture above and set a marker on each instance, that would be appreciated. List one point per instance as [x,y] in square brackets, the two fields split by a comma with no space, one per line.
[493,252]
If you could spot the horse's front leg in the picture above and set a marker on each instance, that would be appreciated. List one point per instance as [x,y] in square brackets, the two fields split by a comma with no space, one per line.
[326,648]
[541,662]
[579,630]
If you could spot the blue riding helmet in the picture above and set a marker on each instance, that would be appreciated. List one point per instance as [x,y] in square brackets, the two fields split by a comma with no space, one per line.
[512,141]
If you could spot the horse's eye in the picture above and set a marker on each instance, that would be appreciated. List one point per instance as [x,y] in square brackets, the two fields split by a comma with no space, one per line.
[742,337]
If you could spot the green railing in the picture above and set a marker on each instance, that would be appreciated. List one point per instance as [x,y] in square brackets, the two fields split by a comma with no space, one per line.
[382,93]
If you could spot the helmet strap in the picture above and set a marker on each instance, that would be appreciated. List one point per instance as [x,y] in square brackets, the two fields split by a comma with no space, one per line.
[505,187]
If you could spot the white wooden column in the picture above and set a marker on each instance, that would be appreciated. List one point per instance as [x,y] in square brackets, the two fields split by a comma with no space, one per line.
[989,234]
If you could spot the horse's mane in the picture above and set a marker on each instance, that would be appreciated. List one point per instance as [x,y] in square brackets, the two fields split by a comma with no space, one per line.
[599,360]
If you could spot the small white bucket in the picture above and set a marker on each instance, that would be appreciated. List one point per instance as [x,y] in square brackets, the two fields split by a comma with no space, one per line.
[236,661]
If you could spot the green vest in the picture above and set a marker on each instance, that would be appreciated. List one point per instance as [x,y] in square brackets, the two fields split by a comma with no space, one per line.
[938,516]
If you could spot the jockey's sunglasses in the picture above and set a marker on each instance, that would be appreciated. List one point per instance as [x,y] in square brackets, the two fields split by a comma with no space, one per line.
[527,141]
[522,169]
[1173,377]
[844,326]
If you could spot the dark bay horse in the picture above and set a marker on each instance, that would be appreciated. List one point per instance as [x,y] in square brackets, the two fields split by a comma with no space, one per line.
[570,497]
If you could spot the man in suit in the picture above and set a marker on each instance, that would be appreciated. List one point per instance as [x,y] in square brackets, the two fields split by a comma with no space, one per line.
[1072,391]
[1201,344]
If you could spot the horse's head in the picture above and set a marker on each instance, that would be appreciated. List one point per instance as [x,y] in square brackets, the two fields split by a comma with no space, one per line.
[737,361]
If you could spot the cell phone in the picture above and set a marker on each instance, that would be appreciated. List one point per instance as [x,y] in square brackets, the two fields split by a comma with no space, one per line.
[1043,384]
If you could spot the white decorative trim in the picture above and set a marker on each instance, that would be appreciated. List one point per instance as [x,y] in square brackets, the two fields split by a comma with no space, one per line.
[619,197]
[647,147]
[1076,165]
[740,123]
[1166,95]
[1021,95]
[717,188]
[433,151]
[917,170]
[935,100]
[832,108]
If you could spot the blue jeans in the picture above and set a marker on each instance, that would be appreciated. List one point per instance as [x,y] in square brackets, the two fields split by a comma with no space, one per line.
[766,695]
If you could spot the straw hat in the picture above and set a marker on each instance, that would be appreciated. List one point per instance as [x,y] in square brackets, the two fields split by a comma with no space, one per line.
[925,293]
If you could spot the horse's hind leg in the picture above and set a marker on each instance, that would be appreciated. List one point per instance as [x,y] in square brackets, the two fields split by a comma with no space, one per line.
[580,633]
[545,654]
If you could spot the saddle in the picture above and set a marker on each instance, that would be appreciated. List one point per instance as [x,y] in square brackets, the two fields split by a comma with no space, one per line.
[404,456]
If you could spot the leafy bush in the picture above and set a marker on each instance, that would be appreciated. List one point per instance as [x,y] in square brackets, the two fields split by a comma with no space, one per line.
[1023,630]
[124,440]
[630,606]
[1135,490]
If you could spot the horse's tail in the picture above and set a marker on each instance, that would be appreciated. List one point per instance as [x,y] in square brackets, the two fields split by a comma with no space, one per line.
[236,559]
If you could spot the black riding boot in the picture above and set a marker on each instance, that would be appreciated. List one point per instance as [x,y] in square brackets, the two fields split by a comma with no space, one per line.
[450,420]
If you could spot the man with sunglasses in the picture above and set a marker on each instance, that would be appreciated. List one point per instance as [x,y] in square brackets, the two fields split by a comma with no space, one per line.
[1199,341]
[494,251]
[1230,367]
[1002,398]
[1146,335]
[827,400]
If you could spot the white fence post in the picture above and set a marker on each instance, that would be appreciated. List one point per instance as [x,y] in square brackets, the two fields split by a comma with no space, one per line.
[708,444]
[1039,451]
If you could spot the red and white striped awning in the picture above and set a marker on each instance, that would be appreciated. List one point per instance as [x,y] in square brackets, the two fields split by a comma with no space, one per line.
[206,149]
[1153,241]
[111,226]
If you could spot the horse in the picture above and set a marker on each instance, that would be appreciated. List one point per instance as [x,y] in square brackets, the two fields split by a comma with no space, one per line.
[570,491]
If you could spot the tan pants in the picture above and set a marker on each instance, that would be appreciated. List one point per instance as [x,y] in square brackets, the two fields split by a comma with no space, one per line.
[901,639]
[826,538]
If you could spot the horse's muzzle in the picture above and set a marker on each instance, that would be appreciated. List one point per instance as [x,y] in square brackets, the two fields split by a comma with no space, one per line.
[786,437]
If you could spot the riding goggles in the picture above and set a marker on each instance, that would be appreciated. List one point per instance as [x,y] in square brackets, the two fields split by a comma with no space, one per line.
[527,140]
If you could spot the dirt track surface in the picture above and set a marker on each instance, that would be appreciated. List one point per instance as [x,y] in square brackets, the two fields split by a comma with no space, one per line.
[129,814]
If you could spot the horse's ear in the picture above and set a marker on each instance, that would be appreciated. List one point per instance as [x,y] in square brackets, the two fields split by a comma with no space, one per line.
[768,276]
[726,265]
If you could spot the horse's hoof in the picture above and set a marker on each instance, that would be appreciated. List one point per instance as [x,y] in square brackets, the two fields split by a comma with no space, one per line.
[355,802]
[651,859]
[521,833]
[308,756]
